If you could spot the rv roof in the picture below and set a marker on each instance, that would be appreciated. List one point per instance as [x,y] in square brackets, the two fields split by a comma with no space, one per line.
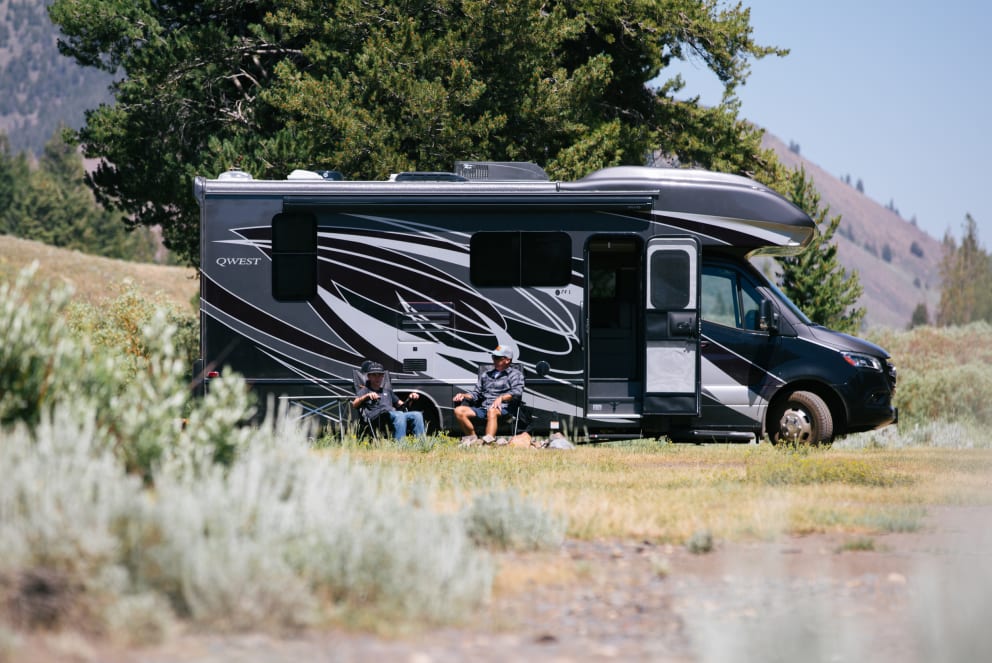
[654,174]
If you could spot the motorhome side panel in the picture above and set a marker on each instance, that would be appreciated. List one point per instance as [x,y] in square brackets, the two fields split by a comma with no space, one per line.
[396,285]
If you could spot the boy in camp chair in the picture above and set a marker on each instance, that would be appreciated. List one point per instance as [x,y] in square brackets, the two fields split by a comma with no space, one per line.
[379,406]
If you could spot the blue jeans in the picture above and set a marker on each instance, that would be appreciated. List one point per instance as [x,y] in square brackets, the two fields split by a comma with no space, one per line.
[401,419]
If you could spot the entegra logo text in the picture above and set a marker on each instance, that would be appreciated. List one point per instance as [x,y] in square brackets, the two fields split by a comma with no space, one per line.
[238,262]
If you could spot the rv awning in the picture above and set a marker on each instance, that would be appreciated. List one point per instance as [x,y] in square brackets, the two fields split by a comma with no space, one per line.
[640,200]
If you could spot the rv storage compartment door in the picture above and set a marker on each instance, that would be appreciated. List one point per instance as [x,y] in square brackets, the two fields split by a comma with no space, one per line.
[671,320]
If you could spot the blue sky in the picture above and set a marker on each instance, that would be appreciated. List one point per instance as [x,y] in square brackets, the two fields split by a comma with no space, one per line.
[896,94]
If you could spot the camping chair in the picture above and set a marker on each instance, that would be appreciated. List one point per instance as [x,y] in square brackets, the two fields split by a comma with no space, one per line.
[518,417]
[382,426]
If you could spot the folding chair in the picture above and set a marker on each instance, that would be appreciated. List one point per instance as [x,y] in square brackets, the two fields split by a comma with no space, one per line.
[518,416]
[381,426]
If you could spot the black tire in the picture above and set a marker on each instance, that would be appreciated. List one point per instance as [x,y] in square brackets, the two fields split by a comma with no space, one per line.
[801,418]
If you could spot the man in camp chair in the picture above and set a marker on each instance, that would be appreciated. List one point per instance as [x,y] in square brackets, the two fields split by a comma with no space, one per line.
[496,391]
[379,406]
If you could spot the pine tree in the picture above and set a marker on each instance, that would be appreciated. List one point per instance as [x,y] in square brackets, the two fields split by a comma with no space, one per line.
[52,204]
[14,173]
[814,280]
[966,275]
[921,316]
[375,87]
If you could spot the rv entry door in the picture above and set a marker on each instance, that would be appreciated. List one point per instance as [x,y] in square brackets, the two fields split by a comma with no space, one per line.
[671,326]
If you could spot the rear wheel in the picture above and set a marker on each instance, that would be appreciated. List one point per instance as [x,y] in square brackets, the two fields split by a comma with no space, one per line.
[801,418]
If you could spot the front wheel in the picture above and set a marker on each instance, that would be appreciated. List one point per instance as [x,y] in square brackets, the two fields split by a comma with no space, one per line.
[802,418]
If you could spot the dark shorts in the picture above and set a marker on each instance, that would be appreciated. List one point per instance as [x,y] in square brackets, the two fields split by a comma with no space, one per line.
[481,412]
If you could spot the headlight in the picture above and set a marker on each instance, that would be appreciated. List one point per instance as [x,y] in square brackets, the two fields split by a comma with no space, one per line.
[862,361]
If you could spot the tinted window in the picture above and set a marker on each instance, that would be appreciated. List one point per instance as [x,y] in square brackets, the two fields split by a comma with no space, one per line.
[670,280]
[294,257]
[495,259]
[510,259]
[546,259]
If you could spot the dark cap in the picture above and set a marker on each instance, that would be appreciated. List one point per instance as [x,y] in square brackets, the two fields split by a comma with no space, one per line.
[374,367]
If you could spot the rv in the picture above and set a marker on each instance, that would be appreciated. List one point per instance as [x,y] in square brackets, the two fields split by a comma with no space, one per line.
[627,296]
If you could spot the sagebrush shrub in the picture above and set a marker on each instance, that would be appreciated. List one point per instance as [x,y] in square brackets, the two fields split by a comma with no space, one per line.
[945,373]
[63,499]
[505,520]
[233,526]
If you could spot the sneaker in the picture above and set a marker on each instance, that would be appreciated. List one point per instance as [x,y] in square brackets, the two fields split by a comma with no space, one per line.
[502,442]
[488,439]
[469,441]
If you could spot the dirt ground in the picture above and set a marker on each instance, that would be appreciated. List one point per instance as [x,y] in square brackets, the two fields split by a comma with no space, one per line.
[917,596]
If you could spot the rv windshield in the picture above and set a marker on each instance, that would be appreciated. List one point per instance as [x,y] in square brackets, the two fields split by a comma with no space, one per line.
[788,302]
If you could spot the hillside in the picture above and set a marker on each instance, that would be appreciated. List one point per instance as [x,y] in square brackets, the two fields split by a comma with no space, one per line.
[892,288]
[95,278]
[39,88]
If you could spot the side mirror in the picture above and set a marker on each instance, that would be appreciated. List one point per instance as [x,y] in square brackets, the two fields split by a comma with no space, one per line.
[767,317]
[542,368]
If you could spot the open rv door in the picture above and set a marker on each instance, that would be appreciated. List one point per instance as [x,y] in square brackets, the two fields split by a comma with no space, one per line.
[671,326]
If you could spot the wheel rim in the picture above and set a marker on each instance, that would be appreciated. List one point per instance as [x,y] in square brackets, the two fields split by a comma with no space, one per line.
[795,425]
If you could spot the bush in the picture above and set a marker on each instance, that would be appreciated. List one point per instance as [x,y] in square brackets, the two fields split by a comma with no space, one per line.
[33,344]
[62,499]
[504,520]
[278,539]
[944,373]
[261,542]
[117,325]
[130,382]
[245,527]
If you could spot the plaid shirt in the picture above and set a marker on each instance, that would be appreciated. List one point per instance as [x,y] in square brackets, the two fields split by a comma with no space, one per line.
[493,384]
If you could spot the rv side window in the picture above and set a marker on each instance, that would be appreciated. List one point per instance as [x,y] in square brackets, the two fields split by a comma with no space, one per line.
[294,257]
[728,299]
[511,259]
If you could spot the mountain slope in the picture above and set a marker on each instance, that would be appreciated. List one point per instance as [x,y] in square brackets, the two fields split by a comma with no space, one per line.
[40,89]
[95,278]
[868,233]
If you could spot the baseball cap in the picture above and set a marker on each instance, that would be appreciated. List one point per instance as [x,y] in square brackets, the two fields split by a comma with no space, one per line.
[502,351]
[374,367]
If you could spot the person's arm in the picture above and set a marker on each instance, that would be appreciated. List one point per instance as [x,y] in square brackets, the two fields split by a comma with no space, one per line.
[471,396]
[516,381]
[412,397]
[364,396]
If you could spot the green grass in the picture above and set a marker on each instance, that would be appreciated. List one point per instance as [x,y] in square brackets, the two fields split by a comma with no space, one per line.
[666,493]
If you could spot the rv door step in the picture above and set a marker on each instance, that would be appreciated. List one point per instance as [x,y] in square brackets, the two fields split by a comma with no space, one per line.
[604,437]
[698,436]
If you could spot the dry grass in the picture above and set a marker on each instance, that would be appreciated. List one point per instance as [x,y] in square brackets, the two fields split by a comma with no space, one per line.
[95,278]
[666,493]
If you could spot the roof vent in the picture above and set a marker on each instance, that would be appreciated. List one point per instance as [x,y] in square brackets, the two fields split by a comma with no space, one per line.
[300,174]
[234,174]
[501,171]
[426,177]
[328,175]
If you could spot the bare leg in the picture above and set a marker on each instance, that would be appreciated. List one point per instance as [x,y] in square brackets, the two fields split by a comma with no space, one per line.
[464,415]
[492,422]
